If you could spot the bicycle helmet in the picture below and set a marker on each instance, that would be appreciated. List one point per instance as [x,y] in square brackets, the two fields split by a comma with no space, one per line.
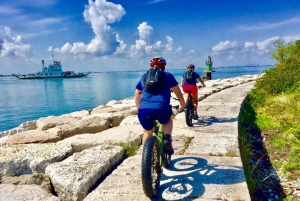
[158,61]
[191,66]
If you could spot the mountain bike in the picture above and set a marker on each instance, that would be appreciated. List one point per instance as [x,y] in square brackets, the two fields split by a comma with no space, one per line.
[154,159]
[189,111]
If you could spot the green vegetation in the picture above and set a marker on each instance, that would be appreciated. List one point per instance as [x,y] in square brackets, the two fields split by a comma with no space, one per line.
[129,149]
[186,145]
[273,109]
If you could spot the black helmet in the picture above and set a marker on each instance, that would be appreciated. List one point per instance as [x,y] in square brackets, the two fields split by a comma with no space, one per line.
[191,66]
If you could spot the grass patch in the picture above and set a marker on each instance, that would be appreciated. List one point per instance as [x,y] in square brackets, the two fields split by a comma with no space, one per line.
[129,149]
[186,145]
[231,153]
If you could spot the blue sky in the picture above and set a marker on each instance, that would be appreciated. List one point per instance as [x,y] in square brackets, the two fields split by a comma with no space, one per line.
[99,35]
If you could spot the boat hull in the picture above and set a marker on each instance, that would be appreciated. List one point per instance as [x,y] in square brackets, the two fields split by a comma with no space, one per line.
[49,77]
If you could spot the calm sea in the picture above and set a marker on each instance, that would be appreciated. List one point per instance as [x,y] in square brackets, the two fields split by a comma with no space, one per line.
[26,100]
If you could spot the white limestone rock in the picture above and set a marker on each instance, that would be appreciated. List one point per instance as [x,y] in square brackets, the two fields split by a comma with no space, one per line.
[113,118]
[46,123]
[73,177]
[113,102]
[94,124]
[129,112]
[10,192]
[28,125]
[128,134]
[78,114]
[130,120]
[85,125]
[31,158]
[128,101]
[30,179]
[123,106]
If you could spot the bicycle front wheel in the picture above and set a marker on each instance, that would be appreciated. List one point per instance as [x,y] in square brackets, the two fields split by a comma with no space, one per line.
[189,113]
[151,169]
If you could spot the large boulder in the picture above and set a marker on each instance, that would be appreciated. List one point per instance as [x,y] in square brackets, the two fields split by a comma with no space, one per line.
[46,123]
[130,120]
[10,192]
[113,118]
[30,179]
[22,159]
[74,177]
[28,125]
[85,125]
[128,134]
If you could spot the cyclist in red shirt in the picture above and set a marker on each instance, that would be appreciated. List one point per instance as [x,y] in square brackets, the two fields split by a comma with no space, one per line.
[191,85]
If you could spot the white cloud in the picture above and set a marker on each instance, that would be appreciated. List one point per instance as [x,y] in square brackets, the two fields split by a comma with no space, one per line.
[261,26]
[47,21]
[249,44]
[155,1]
[99,14]
[31,3]
[7,10]
[143,49]
[179,50]
[266,44]
[145,31]
[169,45]
[121,48]
[13,46]
[223,46]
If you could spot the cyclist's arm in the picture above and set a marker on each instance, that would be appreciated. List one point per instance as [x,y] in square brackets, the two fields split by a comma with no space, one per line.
[137,97]
[201,81]
[181,83]
[179,95]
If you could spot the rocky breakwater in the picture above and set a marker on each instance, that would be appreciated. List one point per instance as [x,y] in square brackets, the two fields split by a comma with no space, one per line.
[66,157]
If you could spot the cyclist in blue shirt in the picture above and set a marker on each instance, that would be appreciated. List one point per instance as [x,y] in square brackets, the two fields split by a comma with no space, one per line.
[158,104]
[192,86]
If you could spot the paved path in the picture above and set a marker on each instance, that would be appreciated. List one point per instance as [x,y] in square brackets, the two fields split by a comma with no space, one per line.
[210,168]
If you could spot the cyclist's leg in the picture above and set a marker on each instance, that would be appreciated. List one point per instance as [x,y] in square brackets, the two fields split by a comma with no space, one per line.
[168,127]
[146,123]
[165,119]
[146,135]
[195,99]
[185,90]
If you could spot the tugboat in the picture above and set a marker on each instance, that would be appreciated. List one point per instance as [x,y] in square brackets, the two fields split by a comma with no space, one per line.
[53,70]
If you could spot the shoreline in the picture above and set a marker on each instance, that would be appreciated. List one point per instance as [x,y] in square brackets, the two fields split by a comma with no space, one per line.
[30,125]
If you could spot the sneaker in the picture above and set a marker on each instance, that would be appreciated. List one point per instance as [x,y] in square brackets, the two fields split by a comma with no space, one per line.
[168,148]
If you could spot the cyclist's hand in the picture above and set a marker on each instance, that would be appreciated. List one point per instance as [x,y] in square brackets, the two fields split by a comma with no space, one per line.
[181,109]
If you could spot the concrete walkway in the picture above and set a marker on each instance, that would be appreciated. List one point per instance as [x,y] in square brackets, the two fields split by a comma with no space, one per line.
[206,164]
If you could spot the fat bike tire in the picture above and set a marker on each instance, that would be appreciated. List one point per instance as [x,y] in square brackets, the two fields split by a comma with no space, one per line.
[151,169]
[189,112]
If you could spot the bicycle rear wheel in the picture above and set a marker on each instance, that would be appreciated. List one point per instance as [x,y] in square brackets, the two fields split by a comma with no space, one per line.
[151,169]
[189,112]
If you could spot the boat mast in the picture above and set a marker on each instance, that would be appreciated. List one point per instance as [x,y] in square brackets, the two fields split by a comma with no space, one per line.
[53,56]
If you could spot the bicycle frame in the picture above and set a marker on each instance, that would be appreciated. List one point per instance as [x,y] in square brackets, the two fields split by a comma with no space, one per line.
[159,134]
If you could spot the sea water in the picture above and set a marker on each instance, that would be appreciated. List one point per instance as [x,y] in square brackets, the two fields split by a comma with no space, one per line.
[27,100]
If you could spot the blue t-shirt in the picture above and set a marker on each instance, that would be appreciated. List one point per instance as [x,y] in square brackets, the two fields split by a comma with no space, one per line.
[194,81]
[162,98]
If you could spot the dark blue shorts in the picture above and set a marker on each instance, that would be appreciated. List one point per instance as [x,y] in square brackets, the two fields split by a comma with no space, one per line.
[162,115]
